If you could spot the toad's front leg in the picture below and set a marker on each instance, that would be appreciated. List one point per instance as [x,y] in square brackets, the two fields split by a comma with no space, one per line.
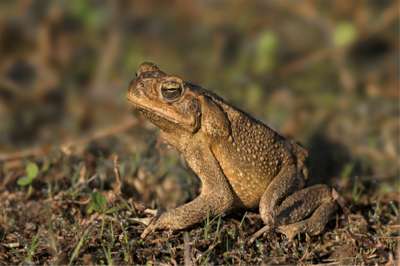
[215,198]
[206,204]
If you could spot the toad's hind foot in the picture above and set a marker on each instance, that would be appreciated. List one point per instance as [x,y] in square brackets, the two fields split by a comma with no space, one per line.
[313,225]
[265,229]
[292,230]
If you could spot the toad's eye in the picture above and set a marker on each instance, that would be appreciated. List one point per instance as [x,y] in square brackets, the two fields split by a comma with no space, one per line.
[171,91]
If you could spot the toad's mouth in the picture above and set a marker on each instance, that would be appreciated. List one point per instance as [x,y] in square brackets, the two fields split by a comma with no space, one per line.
[152,110]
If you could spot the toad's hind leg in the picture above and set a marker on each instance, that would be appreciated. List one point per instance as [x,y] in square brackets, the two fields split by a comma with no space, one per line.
[286,183]
[281,187]
[285,204]
[316,201]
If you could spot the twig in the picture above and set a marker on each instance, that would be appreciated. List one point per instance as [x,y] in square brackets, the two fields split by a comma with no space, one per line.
[309,59]
[117,184]
[389,16]
[110,50]
[68,145]
[9,86]
[186,252]
[341,201]
[30,152]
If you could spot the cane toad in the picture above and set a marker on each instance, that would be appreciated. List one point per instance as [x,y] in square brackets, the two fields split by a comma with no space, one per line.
[241,162]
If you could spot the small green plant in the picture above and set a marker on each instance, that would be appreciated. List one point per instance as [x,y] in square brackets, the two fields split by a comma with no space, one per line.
[107,253]
[93,18]
[242,220]
[344,34]
[347,170]
[358,189]
[32,249]
[266,52]
[207,225]
[78,246]
[32,171]
[126,245]
[394,208]
[98,203]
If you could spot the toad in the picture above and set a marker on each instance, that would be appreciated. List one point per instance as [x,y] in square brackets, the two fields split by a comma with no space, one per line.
[242,163]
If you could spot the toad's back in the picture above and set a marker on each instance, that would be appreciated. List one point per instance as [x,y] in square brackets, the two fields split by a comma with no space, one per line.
[252,156]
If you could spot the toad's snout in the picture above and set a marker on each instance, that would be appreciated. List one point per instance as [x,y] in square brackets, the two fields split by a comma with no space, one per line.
[135,90]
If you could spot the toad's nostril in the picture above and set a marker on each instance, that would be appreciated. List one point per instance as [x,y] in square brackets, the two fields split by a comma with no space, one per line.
[132,84]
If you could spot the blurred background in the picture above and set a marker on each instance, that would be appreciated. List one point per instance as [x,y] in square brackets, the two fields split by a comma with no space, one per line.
[322,72]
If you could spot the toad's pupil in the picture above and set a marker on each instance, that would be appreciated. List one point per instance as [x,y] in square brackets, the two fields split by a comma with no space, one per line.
[171,93]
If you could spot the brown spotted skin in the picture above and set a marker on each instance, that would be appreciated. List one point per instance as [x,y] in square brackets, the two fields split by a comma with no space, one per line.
[241,162]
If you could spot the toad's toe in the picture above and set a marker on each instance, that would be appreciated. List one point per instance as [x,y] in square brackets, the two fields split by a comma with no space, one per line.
[265,229]
[291,230]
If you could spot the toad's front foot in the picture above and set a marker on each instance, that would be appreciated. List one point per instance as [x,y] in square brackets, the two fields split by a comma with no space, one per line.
[149,222]
[151,227]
